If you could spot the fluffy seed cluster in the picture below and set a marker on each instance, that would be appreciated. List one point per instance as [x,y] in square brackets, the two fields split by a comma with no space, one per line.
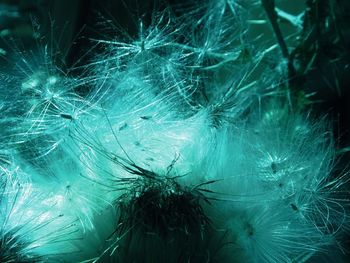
[175,148]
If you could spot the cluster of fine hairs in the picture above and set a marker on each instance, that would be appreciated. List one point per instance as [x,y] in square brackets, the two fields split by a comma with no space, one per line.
[182,143]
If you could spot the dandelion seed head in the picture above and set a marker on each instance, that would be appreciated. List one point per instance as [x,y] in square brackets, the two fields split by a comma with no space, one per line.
[260,235]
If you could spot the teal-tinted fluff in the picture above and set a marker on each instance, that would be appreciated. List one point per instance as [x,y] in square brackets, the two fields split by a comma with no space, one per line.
[174,147]
[31,229]
[279,198]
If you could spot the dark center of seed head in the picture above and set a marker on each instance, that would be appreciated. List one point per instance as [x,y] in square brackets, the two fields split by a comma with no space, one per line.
[162,210]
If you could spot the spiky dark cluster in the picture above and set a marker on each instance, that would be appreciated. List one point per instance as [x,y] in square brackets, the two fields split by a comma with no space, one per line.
[158,212]
[162,207]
